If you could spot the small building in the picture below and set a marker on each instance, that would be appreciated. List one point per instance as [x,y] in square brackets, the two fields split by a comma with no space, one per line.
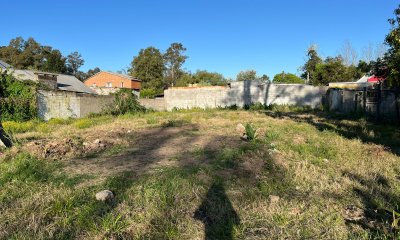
[54,81]
[104,83]
[60,95]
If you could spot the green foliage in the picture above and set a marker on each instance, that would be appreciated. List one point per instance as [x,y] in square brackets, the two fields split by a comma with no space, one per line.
[310,66]
[149,67]
[287,78]
[257,106]
[251,75]
[148,93]
[389,66]
[251,131]
[88,122]
[201,78]
[17,98]
[74,62]
[25,168]
[125,102]
[29,54]
[265,77]
[247,75]
[364,67]
[211,78]
[332,69]
[174,58]
[159,71]
[289,108]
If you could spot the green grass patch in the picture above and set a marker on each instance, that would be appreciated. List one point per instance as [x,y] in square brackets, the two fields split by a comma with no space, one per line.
[90,122]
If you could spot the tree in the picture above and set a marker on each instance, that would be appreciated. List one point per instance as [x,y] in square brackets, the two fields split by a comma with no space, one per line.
[247,75]
[334,70]
[212,78]
[364,67]
[53,61]
[185,79]
[287,78]
[265,78]
[30,54]
[74,62]
[149,67]
[174,59]
[310,66]
[92,72]
[389,65]
[348,54]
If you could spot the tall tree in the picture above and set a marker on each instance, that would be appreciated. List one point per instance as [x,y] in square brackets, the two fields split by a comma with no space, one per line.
[53,61]
[74,62]
[174,59]
[310,66]
[30,54]
[389,65]
[247,75]
[349,54]
[149,67]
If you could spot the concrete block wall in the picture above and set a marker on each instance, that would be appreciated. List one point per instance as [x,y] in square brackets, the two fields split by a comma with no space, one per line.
[157,104]
[63,104]
[244,93]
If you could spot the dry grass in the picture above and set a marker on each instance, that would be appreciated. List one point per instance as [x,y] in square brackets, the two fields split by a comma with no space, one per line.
[187,175]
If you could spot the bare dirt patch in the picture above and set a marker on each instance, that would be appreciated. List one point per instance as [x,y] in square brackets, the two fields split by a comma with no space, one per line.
[152,148]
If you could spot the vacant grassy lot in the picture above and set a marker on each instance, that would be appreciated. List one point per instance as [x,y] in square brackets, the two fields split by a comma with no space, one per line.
[188,175]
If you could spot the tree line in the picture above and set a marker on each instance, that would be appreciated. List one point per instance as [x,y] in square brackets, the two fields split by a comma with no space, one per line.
[29,54]
[159,70]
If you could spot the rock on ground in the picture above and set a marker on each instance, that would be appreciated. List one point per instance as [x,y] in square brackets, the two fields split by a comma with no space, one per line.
[105,195]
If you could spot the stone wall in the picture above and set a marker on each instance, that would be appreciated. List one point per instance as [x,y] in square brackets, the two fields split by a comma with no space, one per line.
[244,93]
[63,104]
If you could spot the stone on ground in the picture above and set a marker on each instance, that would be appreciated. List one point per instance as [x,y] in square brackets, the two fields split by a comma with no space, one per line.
[105,195]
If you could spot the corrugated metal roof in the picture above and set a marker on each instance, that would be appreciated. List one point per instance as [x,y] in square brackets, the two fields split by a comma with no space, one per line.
[64,82]
[72,84]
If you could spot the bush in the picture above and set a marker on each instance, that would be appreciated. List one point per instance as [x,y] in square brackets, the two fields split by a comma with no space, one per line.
[17,98]
[125,102]
[148,93]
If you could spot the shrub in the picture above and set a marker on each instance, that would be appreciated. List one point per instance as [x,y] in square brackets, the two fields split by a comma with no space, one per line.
[148,93]
[17,98]
[257,106]
[125,102]
[250,131]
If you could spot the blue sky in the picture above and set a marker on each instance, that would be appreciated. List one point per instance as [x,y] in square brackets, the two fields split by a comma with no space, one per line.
[220,35]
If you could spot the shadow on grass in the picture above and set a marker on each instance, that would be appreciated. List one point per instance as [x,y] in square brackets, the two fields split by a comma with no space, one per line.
[368,132]
[379,201]
[217,213]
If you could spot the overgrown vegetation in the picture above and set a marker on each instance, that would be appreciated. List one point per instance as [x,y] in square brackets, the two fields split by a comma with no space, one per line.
[17,98]
[125,102]
[187,174]
[388,66]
